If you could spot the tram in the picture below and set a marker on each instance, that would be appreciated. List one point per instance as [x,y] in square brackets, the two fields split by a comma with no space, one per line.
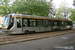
[21,23]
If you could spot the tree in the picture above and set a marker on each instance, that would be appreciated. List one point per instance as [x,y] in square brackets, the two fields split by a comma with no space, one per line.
[61,11]
[70,12]
[72,16]
[4,9]
[32,7]
[5,2]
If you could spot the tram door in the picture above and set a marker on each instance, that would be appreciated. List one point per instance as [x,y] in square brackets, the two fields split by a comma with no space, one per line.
[19,25]
[45,24]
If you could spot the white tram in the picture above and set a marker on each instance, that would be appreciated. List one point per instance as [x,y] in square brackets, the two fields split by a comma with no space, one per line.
[20,23]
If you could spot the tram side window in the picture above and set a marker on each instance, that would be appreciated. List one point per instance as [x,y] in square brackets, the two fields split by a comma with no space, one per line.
[45,23]
[55,23]
[49,23]
[18,23]
[62,23]
[12,22]
[66,23]
[70,23]
[25,24]
[32,23]
[39,23]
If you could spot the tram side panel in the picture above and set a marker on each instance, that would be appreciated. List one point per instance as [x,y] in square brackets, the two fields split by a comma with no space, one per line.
[65,25]
[36,25]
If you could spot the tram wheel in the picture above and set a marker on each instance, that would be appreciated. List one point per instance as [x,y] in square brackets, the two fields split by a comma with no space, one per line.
[26,32]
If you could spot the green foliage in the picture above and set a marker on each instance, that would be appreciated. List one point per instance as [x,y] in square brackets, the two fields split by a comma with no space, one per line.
[32,7]
[4,9]
[68,10]
[72,16]
[62,9]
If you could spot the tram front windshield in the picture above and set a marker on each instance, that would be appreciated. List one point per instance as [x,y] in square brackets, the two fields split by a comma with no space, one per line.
[6,21]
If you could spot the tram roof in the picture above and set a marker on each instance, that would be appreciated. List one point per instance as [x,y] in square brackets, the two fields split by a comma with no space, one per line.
[38,17]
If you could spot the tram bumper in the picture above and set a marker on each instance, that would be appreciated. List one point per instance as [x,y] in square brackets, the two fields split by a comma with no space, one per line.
[2,32]
[8,31]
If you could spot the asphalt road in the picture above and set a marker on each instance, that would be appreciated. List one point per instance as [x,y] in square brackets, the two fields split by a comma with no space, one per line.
[59,42]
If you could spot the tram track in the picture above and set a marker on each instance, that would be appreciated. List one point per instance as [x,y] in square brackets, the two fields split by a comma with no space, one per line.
[10,38]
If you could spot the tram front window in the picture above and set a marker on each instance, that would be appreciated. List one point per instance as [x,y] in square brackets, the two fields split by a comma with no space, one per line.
[11,24]
[6,21]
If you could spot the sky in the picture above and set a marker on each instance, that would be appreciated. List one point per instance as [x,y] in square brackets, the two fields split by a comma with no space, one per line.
[57,2]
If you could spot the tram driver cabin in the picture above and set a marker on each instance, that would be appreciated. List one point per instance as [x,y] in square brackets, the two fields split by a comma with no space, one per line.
[20,23]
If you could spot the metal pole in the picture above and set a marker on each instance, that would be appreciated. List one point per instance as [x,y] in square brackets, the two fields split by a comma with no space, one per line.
[51,17]
[51,9]
[65,9]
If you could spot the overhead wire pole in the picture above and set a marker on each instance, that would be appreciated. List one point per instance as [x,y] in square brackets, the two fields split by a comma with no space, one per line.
[65,11]
[51,9]
[51,17]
